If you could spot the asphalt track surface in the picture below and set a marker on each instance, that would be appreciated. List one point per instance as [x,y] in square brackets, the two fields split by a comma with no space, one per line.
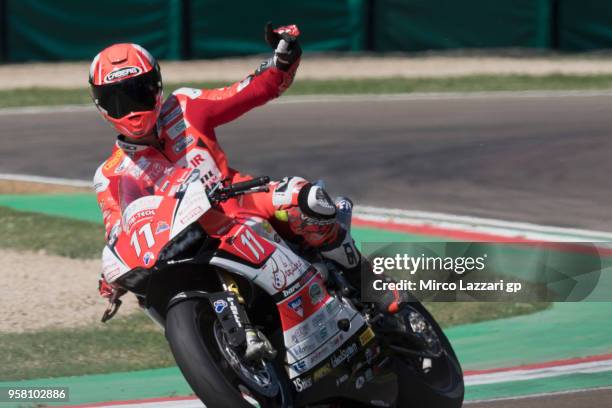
[545,160]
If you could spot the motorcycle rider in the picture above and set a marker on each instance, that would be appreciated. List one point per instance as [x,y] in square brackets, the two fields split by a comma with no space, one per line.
[126,87]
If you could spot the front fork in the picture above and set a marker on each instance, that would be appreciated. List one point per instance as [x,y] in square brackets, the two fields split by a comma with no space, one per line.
[231,312]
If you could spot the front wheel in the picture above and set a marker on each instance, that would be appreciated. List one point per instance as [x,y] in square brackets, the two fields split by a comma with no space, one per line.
[216,373]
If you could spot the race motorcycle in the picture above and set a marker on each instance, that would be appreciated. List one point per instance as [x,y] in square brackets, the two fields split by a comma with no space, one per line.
[204,272]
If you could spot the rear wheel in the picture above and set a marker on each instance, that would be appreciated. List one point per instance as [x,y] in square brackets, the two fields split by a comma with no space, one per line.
[436,381]
[215,371]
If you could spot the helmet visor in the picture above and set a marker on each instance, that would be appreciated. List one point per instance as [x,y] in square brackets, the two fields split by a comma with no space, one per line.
[137,94]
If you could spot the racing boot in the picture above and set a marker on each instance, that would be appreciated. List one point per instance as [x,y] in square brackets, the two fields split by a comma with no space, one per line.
[344,252]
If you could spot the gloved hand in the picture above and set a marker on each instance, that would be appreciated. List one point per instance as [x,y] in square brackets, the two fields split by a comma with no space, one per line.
[107,290]
[286,47]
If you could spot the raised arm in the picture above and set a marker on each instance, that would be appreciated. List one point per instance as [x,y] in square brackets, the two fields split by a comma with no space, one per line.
[269,81]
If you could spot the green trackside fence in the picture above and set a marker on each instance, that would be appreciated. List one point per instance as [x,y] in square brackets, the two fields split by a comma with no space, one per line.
[54,30]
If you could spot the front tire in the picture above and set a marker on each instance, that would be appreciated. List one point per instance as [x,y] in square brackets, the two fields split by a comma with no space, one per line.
[190,331]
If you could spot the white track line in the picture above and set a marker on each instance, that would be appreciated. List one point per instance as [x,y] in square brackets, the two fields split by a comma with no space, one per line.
[333,98]
[536,373]
[183,403]
[502,228]
[46,180]
[196,403]
[34,110]
[539,395]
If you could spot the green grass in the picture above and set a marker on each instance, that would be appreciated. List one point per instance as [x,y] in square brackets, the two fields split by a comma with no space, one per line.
[456,313]
[122,344]
[135,343]
[48,96]
[53,235]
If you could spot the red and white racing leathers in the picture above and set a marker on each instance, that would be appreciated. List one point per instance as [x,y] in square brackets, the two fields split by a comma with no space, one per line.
[186,133]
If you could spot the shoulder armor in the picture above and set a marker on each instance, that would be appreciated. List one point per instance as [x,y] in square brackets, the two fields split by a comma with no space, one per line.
[191,93]
[100,181]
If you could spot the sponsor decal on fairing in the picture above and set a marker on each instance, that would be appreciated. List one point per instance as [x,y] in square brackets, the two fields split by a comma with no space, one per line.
[316,293]
[301,384]
[344,354]
[139,210]
[112,266]
[296,305]
[161,227]
[330,348]
[148,258]
[193,205]
[219,305]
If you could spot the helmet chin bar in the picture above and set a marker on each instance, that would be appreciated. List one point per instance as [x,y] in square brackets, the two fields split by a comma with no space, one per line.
[142,129]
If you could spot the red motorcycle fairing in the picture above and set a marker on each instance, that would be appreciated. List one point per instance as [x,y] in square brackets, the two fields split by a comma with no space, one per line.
[251,248]
[245,244]
[153,217]
[308,313]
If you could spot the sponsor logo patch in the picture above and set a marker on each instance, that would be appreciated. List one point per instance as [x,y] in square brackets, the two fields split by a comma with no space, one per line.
[176,129]
[302,384]
[121,73]
[366,336]
[341,380]
[161,227]
[359,382]
[148,257]
[344,354]
[297,306]
[300,333]
[323,333]
[171,116]
[219,305]
[234,310]
[278,277]
[316,293]
[298,285]
[183,143]
[321,372]
[300,366]
[114,160]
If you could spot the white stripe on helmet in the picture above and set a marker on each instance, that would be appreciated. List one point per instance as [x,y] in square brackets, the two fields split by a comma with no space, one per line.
[146,53]
[92,67]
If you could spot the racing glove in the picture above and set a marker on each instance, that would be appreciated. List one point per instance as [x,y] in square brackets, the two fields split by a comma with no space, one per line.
[284,41]
[107,290]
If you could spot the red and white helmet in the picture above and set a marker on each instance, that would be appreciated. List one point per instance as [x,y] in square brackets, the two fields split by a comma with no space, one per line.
[126,86]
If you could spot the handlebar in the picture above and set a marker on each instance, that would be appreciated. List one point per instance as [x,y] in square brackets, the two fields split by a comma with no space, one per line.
[220,193]
[249,184]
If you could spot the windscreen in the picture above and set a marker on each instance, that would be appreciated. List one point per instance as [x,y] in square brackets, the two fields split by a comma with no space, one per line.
[145,177]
